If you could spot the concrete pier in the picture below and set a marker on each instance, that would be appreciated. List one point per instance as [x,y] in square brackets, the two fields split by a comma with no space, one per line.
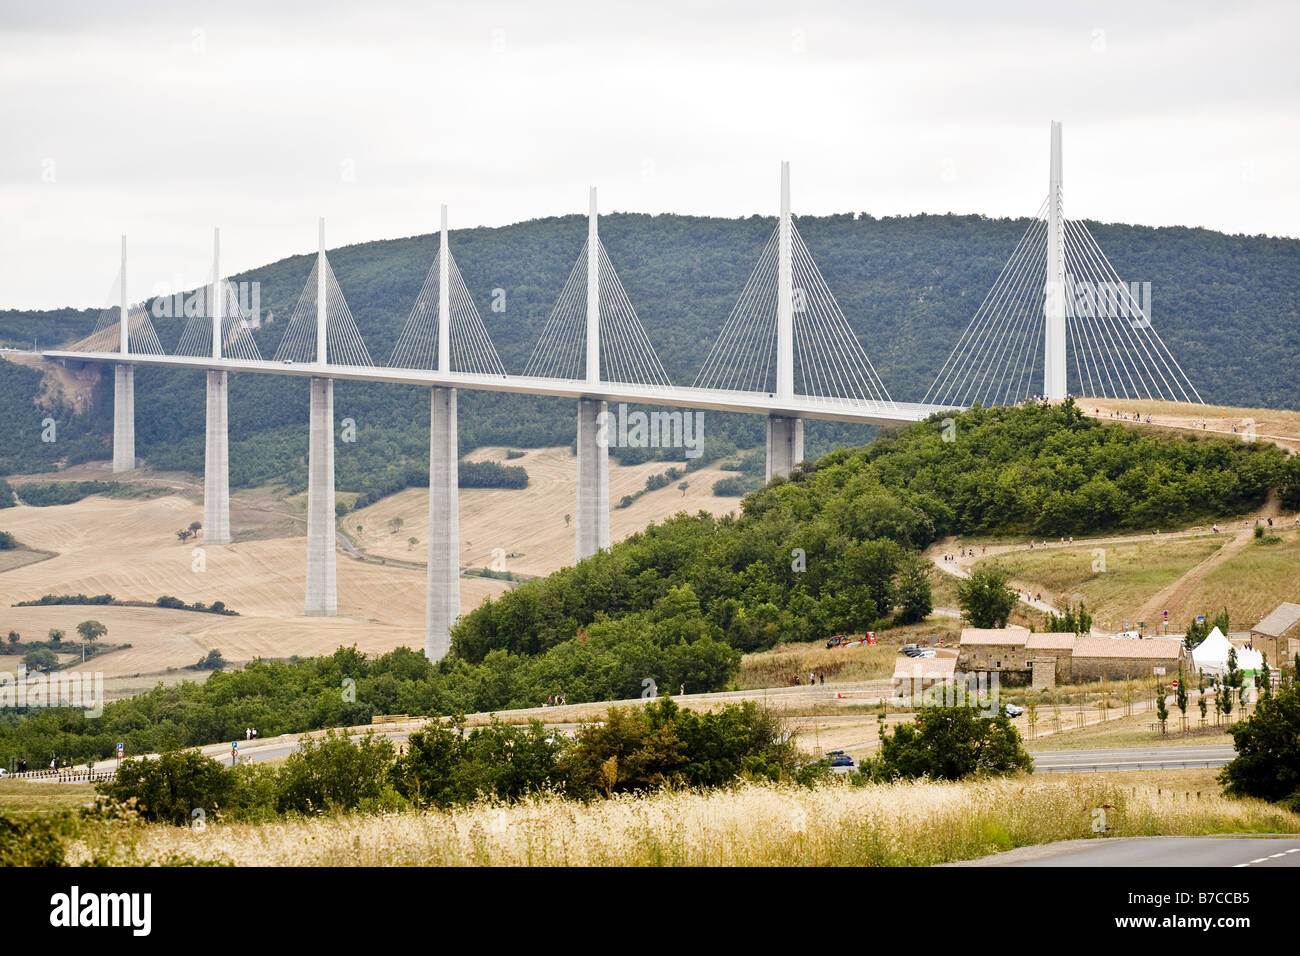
[216,464]
[443,580]
[322,585]
[784,445]
[592,524]
[123,418]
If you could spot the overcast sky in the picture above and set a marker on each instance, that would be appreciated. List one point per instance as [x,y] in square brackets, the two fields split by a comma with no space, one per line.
[163,119]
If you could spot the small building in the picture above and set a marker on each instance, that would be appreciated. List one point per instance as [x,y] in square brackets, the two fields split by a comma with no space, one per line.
[1050,656]
[994,649]
[923,671]
[1095,658]
[1278,634]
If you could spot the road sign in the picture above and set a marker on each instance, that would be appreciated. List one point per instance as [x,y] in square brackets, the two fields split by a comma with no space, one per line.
[120,750]
[1166,615]
[1158,671]
[1200,619]
[1174,685]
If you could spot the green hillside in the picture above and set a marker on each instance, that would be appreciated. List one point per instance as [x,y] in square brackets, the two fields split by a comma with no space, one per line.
[1226,305]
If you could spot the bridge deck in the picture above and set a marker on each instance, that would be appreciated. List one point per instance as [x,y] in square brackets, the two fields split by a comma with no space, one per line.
[755,403]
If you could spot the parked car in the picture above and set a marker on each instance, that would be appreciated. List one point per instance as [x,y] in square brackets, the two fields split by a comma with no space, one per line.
[1014,710]
[841,762]
[835,641]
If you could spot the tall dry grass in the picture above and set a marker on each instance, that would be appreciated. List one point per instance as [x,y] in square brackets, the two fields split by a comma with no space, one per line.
[917,823]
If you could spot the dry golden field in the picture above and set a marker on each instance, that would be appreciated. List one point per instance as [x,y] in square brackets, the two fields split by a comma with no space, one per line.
[128,548]
[1283,427]
[917,823]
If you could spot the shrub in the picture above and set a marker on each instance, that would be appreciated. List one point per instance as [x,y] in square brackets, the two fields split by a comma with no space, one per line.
[985,599]
[40,659]
[331,774]
[7,541]
[34,840]
[1267,764]
[169,788]
[949,743]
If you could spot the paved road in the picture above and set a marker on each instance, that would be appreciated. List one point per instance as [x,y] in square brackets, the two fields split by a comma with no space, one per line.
[1154,851]
[1132,758]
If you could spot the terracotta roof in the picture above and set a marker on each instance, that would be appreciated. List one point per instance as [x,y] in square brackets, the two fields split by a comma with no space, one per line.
[1050,640]
[994,635]
[1148,649]
[925,667]
[1279,621]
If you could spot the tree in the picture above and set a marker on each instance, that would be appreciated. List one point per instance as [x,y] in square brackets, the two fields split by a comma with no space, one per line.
[567,519]
[90,630]
[911,589]
[56,635]
[1267,764]
[1197,631]
[1180,697]
[950,743]
[1077,622]
[395,523]
[40,659]
[171,787]
[411,542]
[682,487]
[1162,711]
[14,637]
[333,773]
[984,597]
[184,534]
[195,526]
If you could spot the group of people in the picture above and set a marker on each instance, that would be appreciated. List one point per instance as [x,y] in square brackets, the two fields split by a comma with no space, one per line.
[965,553]
[1065,542]
[556,700]
[250,733]
[813,678]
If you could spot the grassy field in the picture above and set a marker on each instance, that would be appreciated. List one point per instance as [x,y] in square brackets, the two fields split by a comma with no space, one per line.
[752,825]
[777,667]
[1132,573]
[1134,731]
[1252,582]
[23,796]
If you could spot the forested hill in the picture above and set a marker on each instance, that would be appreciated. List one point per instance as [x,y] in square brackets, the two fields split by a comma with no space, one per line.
[1228,306]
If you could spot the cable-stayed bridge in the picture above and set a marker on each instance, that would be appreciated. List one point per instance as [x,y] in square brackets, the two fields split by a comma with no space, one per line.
[785,351]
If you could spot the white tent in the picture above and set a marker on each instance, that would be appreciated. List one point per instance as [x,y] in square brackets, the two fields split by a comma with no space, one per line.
[1211,655]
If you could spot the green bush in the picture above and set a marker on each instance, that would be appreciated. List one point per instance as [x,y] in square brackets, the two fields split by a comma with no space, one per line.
[332,774]
[949,743]
[7,541]
[1267,764]
[35,839]
[170,787]
[45,493]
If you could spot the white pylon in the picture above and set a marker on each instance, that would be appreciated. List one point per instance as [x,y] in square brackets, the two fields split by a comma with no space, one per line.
[322,312]
[216,292]
[124,336]
[1054,298]
[444,308]
[593,294]
[784,295]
